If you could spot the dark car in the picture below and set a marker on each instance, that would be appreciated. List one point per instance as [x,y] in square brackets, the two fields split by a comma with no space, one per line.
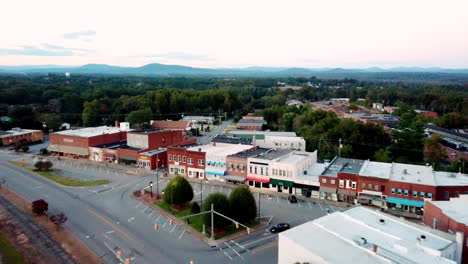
[292,199]
[279,227]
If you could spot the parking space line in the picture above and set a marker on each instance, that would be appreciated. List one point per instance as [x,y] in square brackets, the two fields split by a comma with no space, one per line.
[277,199]
[157,219]
[173,227]
[151,214]
[182,234]
[321,206]
[309,204]
[138,205]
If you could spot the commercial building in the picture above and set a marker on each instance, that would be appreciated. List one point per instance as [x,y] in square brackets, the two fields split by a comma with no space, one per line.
[450,216]
[455,134]
[107,152]
[18,136]
[259,134]
[76,142]
[153,159]
[171,125]
[426,113]
[271,139]
[200,122]
[365,236]
[237,163]
[338,182]
[251,122]
[385,120]
[308,184]
[188,160]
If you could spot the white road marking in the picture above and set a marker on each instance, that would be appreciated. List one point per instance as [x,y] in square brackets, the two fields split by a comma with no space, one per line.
[225,253]
[138,205]
[309,204]
[143,211]
[110,232]
[239,245]
[157,219]
[151,214]
[321,206]
[182,234]
[165,223]
[131,219]
[237,253]
[173,227]
[277,199]
[299,203]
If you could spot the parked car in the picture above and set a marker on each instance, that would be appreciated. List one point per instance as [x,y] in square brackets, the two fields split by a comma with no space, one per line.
[280,227]
[292,199]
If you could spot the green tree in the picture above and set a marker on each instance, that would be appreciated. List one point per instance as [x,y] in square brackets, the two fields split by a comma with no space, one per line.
[242,205]
[221,205]
[288,120]
[195,208]
[433,151]
[52,121]
[140,118]
[382,155]
[178,191]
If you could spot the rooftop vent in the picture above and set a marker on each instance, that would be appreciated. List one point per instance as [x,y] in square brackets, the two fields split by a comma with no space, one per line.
[361,241]
[382,221]
[423,237]
[199,149]
[453,175]
[405,171]
[305,172]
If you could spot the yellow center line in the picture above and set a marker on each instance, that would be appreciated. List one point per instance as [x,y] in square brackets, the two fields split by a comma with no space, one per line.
[114,227]
[274,244]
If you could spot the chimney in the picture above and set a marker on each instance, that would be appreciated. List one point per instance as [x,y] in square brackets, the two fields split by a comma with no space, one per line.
[374,248]
[117,123]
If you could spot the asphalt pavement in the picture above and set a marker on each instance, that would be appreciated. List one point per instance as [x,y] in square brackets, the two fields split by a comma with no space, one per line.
[107,219]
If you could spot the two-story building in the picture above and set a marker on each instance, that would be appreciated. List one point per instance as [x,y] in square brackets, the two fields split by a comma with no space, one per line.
[186,160]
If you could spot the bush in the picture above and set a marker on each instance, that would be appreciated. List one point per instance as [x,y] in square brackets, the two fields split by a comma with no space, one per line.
[220,205]
[39,207]
[242,205]
[43,165]
[180,190]
[195,208]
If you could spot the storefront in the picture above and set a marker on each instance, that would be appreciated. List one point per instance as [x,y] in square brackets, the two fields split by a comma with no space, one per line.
[345,195]
[406,205]
[328,193]
[306,190]
[282,185]
[232,179]
[372,198]
[127,159]
[258,182]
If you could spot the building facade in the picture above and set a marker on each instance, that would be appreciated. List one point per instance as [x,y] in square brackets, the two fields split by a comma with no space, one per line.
[17,136]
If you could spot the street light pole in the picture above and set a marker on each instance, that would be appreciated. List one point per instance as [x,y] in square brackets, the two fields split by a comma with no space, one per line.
[151,188]
[259,206]
[201,192]
[157,176]
[212,223]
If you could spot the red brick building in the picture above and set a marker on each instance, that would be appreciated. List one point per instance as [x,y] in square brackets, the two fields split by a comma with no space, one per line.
[339,181]
[171,125]
[77,142]
[20,136]
[153,159]
[450,216]
[186,161]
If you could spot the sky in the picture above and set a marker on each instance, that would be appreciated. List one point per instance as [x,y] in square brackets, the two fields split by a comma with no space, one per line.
[240,33]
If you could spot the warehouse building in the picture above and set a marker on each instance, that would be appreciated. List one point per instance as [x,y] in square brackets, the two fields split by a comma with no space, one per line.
[18,136]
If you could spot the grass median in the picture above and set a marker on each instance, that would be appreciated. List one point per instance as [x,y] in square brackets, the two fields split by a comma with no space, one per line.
[197,221]
[59,179]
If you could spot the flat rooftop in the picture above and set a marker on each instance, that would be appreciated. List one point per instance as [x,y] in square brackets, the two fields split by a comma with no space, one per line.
[456,208]
[232,140]
[354,233]
[16,132]
[375,169]
[418,174]
[273,154]
[148,131]
[256,121]
[154,152]
[443,178]
[295,157]
[377,117]
[345,165]
[313,172]
[220,149]
[89,131]
[266,133]
[250,152]
[113,145]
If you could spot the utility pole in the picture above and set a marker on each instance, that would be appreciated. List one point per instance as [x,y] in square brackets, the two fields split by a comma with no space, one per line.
[212,222]
[339,148]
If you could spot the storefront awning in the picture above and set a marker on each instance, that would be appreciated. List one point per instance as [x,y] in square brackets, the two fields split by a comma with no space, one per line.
[259,179]
[403,201]
[347,192]
[234,178]
[305,186]
[282,182]
[327,189]
[221,173]
[68,149]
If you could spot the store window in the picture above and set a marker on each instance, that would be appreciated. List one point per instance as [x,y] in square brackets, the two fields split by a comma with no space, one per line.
[332,181]
[429,195]
[422,194]
[393,190]
[341,183]
[415,194]
[446,195]
[406,192]
[400,191]
[363,186]
[376,188]
[324,180]
[170,157]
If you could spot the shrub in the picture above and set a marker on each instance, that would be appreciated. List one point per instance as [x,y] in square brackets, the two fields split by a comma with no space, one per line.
[220,205]
[43,151]
[195,208]
[39,207]
[178,191]
[242,205]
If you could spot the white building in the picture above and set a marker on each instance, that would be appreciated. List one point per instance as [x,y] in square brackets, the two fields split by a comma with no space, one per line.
[292,143]
[199,121]
[377,106]
[294,102]
[365,236]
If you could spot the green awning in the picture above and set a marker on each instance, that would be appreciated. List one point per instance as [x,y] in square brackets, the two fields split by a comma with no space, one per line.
[281,182]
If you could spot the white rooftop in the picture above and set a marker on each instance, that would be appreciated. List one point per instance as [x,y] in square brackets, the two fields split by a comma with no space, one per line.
[376,169]
[295,157]
[313,172]
[266,133]
[17,132]
[456,208]
[443,178]
[89,131]
[220,149]
[349,237]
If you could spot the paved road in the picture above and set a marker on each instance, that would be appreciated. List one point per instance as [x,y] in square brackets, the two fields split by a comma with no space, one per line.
[106,218]
[212,134]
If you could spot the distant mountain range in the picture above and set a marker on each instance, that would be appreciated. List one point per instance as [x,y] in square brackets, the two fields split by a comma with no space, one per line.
[156,69]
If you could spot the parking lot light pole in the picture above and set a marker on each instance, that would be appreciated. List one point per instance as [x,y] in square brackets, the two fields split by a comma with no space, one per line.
[151,188]
[157,176]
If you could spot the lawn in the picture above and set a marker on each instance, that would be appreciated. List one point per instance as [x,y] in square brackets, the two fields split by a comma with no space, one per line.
[197,221]
[58,179]
[10,254]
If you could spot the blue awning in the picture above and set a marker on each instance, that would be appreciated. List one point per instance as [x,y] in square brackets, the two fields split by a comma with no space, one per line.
[215,173]
[403,201]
